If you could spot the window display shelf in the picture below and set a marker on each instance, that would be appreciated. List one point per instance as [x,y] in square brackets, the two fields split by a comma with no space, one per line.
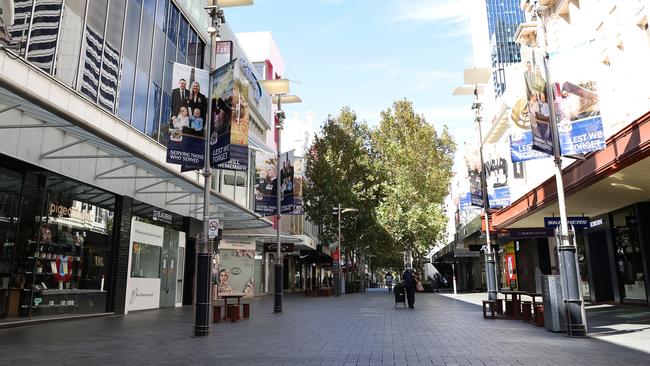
[46,306]
[54,259]
[70,291]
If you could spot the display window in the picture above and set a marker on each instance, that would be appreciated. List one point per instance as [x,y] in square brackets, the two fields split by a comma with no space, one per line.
[628,258]
[57,246]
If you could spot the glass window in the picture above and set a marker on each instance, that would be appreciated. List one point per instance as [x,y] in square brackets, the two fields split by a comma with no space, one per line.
[182,40]
[629,260]
[111,60]
[140,100]
[129,54]
[191,48]
[161,13]
[16,37]
[165,112]
[172,24]
[153,111]
[70,38]
[93,47]
[199,54]
[44,33]
[145,260]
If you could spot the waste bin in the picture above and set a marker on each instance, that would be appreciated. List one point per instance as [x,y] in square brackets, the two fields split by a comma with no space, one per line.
[554,310]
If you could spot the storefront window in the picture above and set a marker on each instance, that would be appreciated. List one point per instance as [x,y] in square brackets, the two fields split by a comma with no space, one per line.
[629,262]
[57,252]
[145,262]
[582,266]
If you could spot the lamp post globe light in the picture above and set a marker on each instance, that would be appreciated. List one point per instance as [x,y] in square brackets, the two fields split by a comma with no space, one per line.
[279,91]
[474,80]
[339,276]
[204,254]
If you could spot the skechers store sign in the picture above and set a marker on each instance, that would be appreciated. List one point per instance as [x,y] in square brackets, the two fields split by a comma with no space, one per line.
[576,222]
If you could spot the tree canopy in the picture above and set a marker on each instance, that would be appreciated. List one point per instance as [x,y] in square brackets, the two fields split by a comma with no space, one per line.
[396,174]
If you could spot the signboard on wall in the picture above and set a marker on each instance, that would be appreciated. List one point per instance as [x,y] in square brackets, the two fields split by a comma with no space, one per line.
[273,247]
[576,222]
[237,244]
[143,283]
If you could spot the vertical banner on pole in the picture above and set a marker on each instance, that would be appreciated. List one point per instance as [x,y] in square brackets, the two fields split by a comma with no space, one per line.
[473,164]
[223,80]
[536,94]
[186,128]
[266,180]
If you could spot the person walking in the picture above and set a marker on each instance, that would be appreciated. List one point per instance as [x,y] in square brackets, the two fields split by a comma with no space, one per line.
[389,281]
[410,281]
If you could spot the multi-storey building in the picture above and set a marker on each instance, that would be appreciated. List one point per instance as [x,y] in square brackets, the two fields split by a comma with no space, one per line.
[92,218]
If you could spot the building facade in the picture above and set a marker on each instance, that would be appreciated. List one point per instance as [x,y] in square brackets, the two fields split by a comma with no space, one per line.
[93,219]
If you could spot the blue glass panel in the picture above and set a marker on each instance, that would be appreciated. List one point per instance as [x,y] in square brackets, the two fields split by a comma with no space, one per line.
[140,100]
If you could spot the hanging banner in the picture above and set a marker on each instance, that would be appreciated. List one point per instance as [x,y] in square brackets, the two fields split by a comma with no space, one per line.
[265,184]
[465,201]
[521,148]
[186,129]
[473,164]
[496,172]
[536,94]
[298,178]
[580,126]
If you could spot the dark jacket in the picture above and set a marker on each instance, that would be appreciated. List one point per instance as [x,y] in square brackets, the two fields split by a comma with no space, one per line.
[409,278]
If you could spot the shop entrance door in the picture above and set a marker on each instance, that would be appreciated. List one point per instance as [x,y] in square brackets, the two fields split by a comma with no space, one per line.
[10,186]
[168,268]
[599,260]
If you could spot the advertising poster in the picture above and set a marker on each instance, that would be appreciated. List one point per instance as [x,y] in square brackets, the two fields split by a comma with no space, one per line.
[473,164]
[223,80]
[521,148]
[465,201]
[580,126]
[186,130]
[236,272]
[536,95]
[298,178]
[496,171]
[265,184]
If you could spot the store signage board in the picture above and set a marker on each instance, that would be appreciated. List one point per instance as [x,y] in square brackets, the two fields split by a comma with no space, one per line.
[466,254]
[162,216]
[596,223]
[273,247]
[530,233]
[237,244]
[576,222]
[213,228]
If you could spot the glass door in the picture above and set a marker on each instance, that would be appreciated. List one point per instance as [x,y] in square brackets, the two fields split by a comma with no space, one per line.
[168,267]
[10,186]
[628,259]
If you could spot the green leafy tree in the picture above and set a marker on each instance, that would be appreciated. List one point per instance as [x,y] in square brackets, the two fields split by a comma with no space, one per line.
[417,161]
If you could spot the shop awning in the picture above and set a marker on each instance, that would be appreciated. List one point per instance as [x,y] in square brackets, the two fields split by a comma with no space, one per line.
[49,125]
[264,235]
[604,181]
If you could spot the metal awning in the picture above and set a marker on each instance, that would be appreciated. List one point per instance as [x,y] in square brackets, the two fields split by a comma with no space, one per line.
[42,125]
[264,235]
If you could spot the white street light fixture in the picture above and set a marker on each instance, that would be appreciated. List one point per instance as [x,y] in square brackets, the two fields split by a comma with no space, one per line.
[278,89]
[229,3]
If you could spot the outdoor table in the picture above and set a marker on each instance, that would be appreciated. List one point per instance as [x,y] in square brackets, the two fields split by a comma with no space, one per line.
[534,295]
[225,298]
[515,298]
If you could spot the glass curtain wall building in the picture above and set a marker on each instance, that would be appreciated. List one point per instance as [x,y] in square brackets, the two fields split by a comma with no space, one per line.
[117,53]
[504,17]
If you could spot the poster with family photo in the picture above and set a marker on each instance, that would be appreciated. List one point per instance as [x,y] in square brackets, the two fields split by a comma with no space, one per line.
[230,119]
[496,173]
[537,97]
[186,126]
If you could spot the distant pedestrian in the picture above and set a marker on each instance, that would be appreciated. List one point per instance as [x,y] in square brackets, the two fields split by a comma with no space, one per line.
[389,281]
[410,281]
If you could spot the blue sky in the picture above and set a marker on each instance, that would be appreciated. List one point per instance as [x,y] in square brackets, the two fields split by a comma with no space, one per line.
[368,53]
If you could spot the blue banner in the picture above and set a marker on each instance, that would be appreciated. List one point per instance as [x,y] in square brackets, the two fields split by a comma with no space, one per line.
[499,197]
[465,201]
[582,136]
[186,128]
[521,148]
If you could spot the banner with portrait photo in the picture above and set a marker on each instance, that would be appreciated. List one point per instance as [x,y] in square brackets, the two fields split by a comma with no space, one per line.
[298,179]
[580,127]
[473,165]
[186,126]
[236,272]
[536,95]
[265,184]
[497,176]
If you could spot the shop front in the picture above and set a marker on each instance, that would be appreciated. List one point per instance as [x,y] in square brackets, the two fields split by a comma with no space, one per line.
[56,236]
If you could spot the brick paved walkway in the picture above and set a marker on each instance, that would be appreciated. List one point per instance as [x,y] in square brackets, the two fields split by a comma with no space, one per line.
[358,329]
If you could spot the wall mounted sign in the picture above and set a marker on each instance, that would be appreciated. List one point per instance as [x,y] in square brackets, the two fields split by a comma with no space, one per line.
[162,216]
[273,247]
[576,222]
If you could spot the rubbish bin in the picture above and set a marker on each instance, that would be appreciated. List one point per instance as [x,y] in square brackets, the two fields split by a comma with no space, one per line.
[554,310]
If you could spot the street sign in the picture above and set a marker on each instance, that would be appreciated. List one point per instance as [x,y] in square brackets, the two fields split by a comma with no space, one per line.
[576,222]
[213,228]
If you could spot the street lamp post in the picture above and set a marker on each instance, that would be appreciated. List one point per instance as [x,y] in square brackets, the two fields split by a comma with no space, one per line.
[279,89]
[567,251]
[204,255]
[476,78]
[339,275]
